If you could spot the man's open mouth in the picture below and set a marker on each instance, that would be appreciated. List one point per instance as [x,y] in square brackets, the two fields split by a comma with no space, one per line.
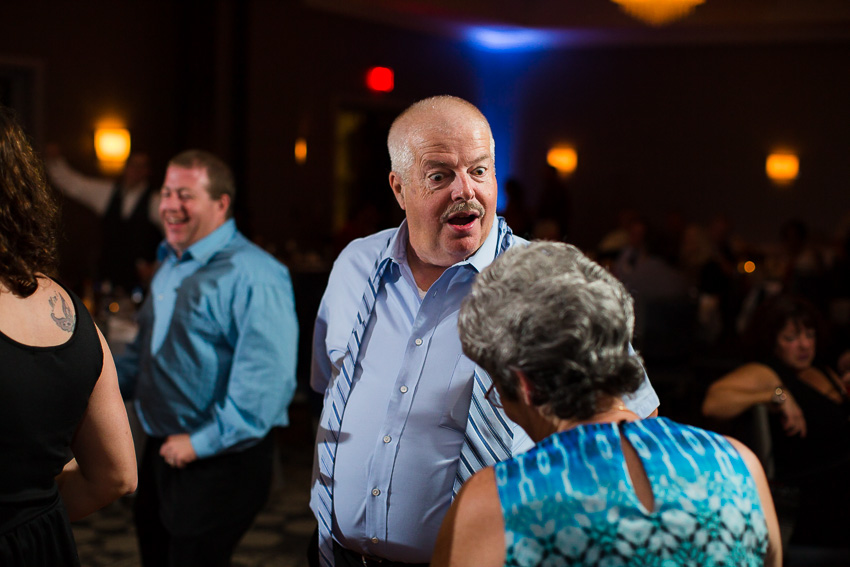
[463,220]
[174,220]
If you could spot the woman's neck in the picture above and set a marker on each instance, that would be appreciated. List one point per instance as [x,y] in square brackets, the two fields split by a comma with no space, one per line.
[546,425]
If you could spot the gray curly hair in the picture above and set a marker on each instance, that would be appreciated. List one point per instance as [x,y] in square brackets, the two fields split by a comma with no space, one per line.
[549,311]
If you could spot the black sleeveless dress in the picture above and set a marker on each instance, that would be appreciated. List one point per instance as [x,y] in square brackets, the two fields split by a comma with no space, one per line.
[818,465]
[44,392]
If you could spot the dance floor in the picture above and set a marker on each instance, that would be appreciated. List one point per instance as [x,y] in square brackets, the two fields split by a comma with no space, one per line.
[278,537]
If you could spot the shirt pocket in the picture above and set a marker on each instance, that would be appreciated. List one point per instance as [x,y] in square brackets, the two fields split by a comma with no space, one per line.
[458,395]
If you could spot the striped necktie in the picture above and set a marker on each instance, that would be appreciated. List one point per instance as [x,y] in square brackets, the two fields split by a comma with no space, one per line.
[488,436]
[337,398]
[487,439]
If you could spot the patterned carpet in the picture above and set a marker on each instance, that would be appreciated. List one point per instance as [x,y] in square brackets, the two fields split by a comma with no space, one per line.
[278,537]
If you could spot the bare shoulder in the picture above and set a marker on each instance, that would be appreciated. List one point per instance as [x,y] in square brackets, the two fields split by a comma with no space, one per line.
[477,506]
[59,302]
[480,492]
[774,546]
[746,453]
[45,318]
[473,531]
[751,461]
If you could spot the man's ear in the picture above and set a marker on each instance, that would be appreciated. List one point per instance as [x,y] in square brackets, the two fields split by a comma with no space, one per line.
[224,203]
[398,189]
[525,388]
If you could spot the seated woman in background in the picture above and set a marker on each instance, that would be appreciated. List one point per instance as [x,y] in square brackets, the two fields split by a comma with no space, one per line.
[58,386]
[810,416]
[601,487]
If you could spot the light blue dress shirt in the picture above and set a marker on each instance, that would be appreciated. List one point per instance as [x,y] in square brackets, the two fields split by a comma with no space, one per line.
[404,422]
[216,351]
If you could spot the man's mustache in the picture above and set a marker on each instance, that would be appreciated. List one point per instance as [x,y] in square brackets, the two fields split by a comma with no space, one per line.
[462,207]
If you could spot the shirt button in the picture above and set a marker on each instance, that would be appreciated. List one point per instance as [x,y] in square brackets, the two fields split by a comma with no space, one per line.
[387,438]
[374,540]
[418,342]
[403,389]
[159,297]
[376,492]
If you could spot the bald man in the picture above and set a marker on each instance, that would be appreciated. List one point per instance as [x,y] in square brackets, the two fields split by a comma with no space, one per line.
[405,420]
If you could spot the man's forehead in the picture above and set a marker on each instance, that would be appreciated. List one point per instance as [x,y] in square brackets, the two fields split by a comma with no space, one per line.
[177,176]
[454,138]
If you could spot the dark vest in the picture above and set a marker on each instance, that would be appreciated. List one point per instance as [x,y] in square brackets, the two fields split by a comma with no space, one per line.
[126,240]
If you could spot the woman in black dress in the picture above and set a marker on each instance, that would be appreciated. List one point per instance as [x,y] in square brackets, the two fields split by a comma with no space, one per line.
[809,416]
[59,396]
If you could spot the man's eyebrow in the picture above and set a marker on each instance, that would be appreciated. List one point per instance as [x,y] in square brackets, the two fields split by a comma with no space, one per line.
[435,163]
[442,163]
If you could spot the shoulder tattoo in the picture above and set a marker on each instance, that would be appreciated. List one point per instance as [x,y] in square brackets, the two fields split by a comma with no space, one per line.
[66,321]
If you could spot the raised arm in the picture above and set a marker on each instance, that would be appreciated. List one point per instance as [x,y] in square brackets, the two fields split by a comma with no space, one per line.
[104,464]
[90,191]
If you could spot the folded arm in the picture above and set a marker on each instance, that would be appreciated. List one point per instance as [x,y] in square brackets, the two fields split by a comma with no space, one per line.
[748,386]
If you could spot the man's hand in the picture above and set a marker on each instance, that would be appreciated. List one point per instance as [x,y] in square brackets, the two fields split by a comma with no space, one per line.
[178,451]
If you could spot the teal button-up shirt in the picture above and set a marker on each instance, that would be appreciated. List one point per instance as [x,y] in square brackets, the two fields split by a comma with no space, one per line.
[215,356]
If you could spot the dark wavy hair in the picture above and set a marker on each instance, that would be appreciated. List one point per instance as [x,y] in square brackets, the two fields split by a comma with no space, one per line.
[560,318]
[772,316]
[28,211]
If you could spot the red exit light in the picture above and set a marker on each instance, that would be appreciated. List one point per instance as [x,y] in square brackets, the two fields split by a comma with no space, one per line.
[380,79]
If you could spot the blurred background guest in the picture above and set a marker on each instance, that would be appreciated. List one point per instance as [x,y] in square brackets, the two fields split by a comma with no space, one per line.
[801,262]
[211,372]
[58,387]
[128,208]
[601,486]
[809,416]
[554,211]
[516,212]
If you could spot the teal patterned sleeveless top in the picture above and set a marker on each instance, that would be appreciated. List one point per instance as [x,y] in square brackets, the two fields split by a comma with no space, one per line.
[570,500]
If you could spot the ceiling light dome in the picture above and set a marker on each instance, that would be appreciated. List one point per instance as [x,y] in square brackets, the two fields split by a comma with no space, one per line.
[658,12]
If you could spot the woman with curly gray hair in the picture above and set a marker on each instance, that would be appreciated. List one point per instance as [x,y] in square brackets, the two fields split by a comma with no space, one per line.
[601,487]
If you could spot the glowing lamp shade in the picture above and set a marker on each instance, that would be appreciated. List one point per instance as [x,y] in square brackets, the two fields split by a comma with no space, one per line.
[112,144]
[563,158]
[300,151]
[380,79]
[658,12]
[782,167]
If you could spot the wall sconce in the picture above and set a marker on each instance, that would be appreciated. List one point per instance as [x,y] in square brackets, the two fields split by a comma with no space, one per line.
[782,167]
[300,151]
[112,146]
[563,158]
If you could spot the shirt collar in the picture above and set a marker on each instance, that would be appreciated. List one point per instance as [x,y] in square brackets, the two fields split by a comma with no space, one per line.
[397,248]
[202,250]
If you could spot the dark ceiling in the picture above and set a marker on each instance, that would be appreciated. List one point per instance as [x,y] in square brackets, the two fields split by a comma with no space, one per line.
[603,22]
